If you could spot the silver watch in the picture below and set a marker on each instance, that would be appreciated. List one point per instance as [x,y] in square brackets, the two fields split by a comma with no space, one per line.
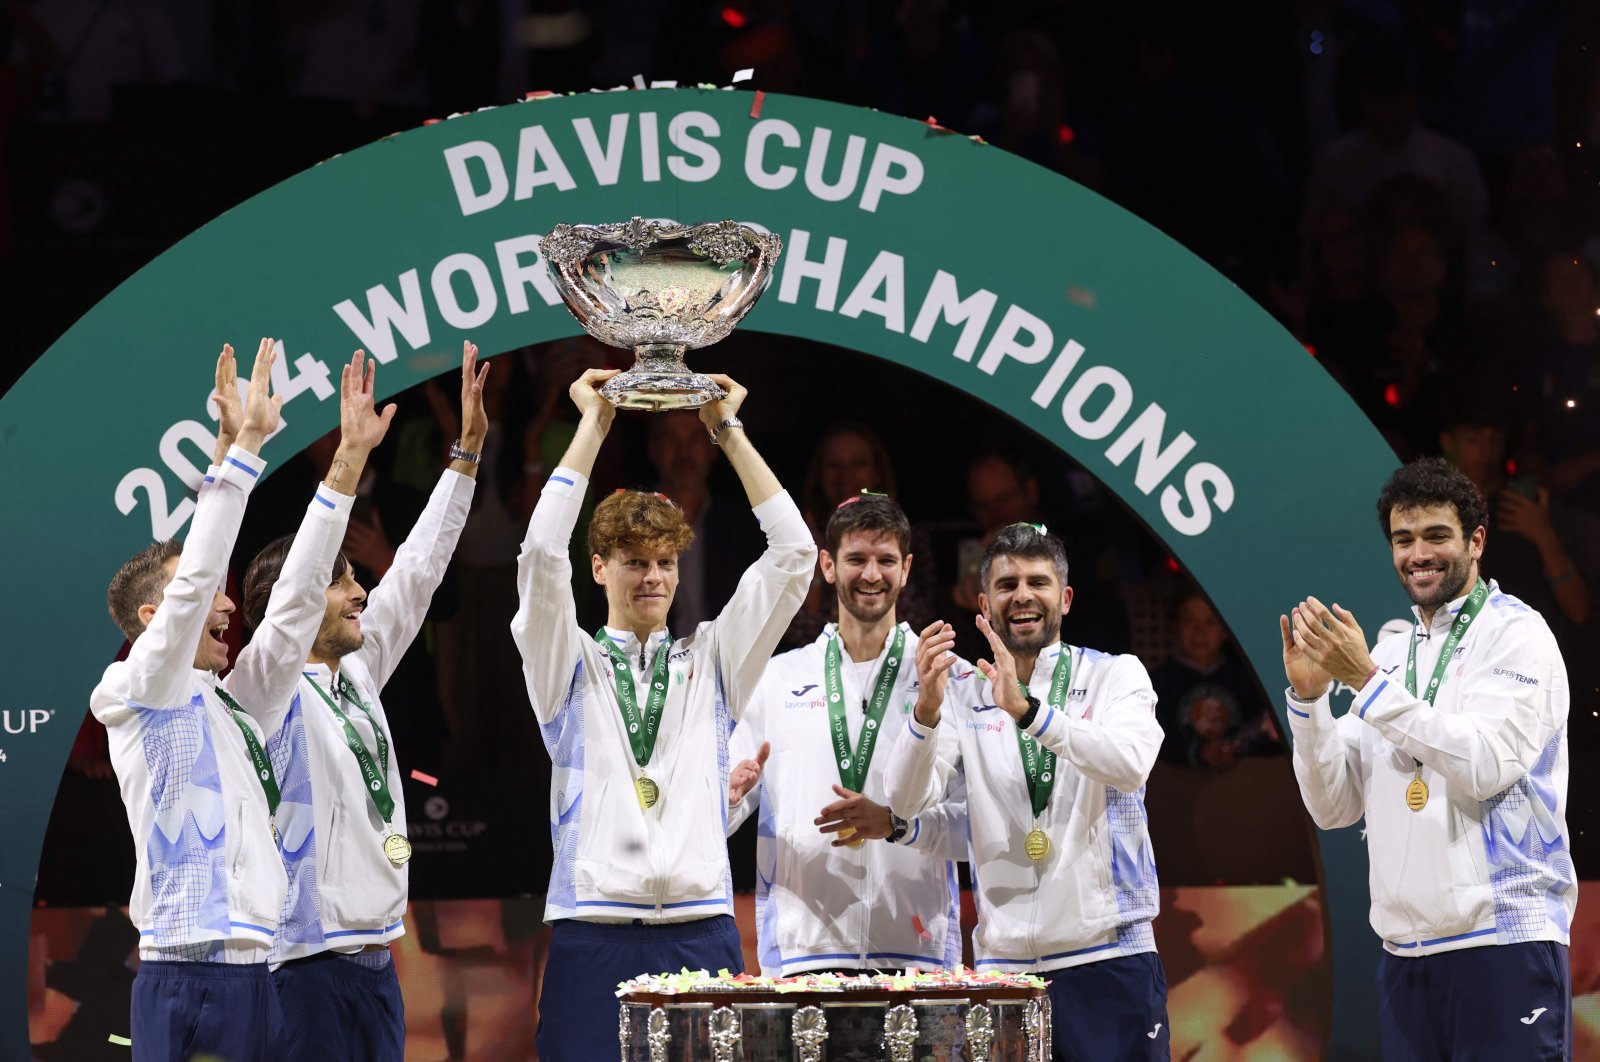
[730,422]
[458,454]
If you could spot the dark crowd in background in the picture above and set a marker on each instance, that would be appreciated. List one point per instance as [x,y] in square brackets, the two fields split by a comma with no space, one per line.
[1412,187]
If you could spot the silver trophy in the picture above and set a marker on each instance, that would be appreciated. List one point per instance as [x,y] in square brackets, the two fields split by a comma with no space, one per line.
[660,288]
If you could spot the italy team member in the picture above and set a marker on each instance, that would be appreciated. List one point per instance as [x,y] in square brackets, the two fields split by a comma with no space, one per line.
[1055,770]
[842,882]
[208,883]
[637,723]
[344,822]
[1455,752]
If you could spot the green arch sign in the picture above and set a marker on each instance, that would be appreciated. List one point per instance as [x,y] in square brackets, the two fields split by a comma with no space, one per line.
[902,240]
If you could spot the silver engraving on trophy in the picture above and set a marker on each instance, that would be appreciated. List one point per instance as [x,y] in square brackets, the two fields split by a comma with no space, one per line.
[900,1033]
[810,1033]
[1046,1032]
[660,288]
[624,1029]
[980,1032]
[658,1036]
[726,1037]
[1038,1047]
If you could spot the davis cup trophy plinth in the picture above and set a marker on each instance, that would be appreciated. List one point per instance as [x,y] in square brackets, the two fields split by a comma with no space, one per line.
[660,288]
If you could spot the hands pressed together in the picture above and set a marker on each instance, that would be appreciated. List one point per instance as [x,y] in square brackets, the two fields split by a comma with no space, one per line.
[1321,645]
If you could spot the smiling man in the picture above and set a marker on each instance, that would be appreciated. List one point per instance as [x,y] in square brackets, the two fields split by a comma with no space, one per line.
[1055,765]
[344,817]
[842,882]
[637,724]
[208,885]
[1455,752]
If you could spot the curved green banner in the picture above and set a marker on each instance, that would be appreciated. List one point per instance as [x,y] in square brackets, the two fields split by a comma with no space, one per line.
[902,241]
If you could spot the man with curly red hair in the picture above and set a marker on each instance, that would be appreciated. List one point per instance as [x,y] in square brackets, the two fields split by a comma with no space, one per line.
[637,724]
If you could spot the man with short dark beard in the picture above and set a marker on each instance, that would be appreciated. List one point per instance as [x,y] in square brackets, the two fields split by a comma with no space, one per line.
[1055,742]
[842,882]
[1455,752]
[344,843]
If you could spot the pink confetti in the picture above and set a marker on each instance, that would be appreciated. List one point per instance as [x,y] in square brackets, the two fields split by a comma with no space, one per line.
[425,779]
[916,923]
[755,108]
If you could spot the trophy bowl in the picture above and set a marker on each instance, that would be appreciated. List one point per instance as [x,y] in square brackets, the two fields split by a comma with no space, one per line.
[660,288]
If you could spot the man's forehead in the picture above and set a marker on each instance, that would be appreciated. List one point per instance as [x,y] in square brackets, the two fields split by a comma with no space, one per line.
[1005,564]
[642,552]
[1418,518]
[869,542]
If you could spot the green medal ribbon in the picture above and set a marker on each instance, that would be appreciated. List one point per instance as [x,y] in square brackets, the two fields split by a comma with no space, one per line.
[1038,762]
[642,733]
[853,769]
[1469,612]
[376,775]
[258,755]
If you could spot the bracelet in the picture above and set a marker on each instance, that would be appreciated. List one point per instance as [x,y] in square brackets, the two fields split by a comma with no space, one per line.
[730,422]
[1566,574]
[1368,679]
[458,454]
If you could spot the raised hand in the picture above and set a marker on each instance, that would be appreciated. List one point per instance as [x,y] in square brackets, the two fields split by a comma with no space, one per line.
[1002,674]
[855,819]
[934,658]
[474,421]
[586,396]
[361,426]
[714,413]
[1307,677]
[746,773]
[261,406]
[230,410]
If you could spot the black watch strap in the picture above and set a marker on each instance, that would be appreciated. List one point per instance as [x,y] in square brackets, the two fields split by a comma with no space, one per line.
[900,826]
[1025,720]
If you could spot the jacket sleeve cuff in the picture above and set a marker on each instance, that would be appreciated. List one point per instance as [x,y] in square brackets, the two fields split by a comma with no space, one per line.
[918,731]
[329,502]
[913,831]
[240,468]
[1308,715]
[1377,699]
[1045,718]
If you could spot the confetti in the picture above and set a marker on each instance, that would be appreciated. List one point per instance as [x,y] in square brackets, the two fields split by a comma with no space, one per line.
[743,75]
[916,923]
[638,81]
[121,1041]
[425,779]
[755,107]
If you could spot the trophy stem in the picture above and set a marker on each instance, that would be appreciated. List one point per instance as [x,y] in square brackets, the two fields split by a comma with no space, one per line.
[660,380]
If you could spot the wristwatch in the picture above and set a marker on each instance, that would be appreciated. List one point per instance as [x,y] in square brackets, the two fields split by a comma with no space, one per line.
[1025,720]
[900,827]
[458,454]
[730,422]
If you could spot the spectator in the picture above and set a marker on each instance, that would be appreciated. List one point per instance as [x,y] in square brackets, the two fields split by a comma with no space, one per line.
[1210,709]
[1560,382]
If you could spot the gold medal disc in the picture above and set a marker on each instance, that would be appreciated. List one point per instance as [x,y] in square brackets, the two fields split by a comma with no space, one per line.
[276,839]
[846,832]
[1417,794]
[398,849]
[648,792]
[1037,845]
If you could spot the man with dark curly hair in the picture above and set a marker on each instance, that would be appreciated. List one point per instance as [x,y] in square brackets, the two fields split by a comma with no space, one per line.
[637,723]
[1455,752]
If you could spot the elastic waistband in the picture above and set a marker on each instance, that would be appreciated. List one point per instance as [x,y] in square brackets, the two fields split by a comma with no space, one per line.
[205,971]
[610,933]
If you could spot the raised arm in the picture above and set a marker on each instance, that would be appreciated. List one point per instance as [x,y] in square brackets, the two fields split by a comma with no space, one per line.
[268,669]
[399,603]
[771,590]
[160,664]
[545,627]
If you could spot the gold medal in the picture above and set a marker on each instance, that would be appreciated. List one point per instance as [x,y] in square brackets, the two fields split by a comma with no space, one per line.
[275,838]
[1037,844]
[648,792]
[398,849]
[1417,793]
[848,832]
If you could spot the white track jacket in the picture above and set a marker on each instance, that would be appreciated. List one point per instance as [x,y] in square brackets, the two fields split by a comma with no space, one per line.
[1094,896]
[613,858]
[1487,860]
[818,907]
[206,868]
[343,891]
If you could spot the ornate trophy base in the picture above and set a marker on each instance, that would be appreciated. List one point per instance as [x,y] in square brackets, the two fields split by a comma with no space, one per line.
[660,380]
